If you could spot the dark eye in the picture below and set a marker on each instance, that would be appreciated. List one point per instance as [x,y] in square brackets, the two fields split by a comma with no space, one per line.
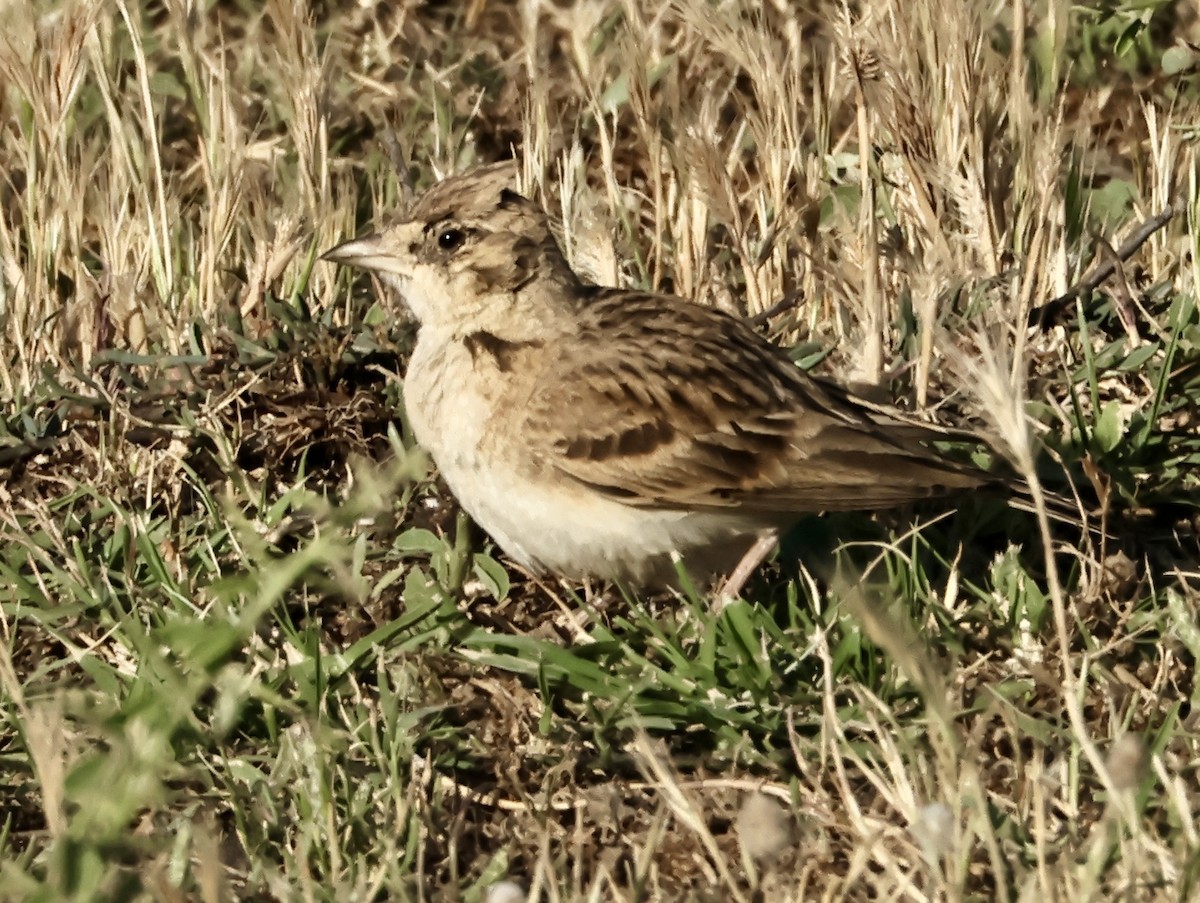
[451,239]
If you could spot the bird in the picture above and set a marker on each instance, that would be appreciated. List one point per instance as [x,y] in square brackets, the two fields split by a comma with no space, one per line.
[613,433]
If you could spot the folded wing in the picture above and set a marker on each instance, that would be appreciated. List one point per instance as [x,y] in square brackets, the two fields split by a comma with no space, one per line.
[689,408]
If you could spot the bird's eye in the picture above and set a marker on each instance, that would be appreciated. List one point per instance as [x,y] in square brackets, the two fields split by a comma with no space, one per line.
[451,239]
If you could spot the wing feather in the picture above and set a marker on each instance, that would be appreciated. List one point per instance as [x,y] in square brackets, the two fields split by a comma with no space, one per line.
[689,408]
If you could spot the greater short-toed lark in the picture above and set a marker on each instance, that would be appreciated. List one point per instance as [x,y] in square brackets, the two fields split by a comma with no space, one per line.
[597,431]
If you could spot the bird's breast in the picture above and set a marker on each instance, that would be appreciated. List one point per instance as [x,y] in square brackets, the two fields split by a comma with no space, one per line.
[449,406]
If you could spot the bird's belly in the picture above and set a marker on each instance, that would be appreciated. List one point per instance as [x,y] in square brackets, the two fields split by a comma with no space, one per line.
[572,534]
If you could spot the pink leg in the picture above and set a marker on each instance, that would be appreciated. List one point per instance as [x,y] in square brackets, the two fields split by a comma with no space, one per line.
[736,581]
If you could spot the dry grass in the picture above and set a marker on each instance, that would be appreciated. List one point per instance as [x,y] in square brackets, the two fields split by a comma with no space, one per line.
[250,651]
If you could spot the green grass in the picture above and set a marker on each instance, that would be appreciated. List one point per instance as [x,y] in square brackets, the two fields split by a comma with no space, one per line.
[249,649]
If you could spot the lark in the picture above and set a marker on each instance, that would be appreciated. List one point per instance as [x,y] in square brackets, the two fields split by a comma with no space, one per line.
[605,432]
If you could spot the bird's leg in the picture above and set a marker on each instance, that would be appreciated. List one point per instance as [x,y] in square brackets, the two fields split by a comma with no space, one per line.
[736,581]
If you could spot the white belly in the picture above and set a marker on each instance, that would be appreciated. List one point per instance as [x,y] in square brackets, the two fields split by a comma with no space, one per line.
[575,533]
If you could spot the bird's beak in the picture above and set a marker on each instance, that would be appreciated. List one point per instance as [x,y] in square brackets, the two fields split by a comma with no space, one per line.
[366,252]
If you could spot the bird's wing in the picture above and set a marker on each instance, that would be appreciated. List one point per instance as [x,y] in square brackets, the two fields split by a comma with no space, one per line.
[667,404]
